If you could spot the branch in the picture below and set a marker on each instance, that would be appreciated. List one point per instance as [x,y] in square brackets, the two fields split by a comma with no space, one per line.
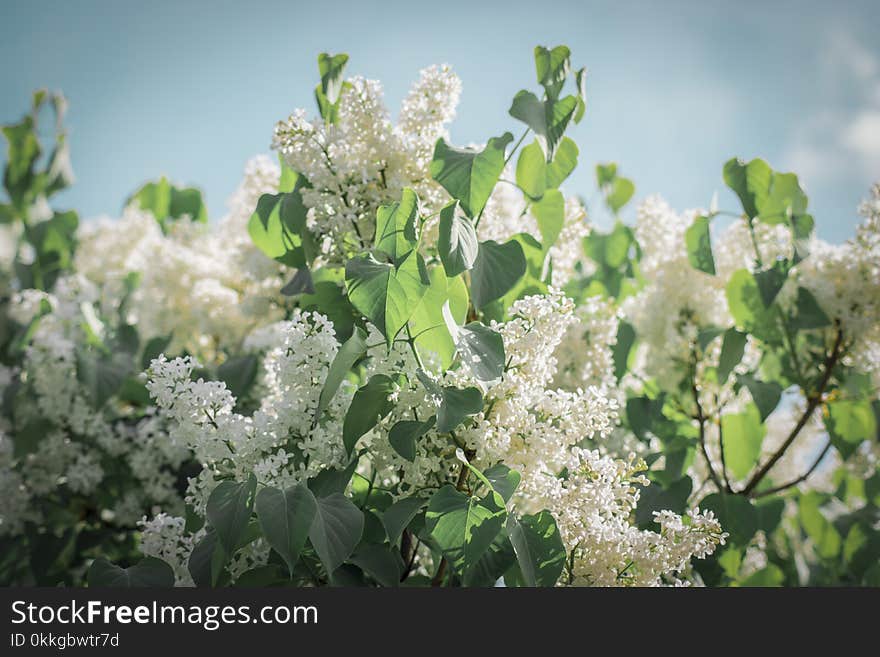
[803,477]
[721,445]
[813,401]
[702,420]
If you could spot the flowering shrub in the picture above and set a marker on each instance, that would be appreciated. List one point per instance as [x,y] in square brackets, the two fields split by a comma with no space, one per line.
[397,361]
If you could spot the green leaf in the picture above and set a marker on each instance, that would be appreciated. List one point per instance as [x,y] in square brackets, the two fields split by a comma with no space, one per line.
[166,201]
[765,395]
[549,212]
[370,404]
[154,348]
[386,295]
[532,170]
[539,548]
[552,67]
[504,480]
[404,434]
[548,118]
[655,497]
[497,269]
[743,436]
[626,337]
[395,227]
[737,515]
[773,197]
[286,518]
[229,510]
[467,174]
[349,353]
[457,242]
[751,182]
[239,374]
[564,162]
[380,562]
[331,68]
[826,538]
[620,193]
[747,307]
[336,530]
[427,324]
[808,314]
[397,517]
[207,560]
[581,82]
[699,246]
[849,423]
[481,348]
[454,404]
[733,347]
[771,280]
[102,376]
[768,576]
[464,527]
[148,572]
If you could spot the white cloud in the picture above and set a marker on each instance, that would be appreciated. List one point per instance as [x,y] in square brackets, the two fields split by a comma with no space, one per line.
[843,138]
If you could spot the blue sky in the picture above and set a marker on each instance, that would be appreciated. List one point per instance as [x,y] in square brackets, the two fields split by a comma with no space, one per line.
[192,89]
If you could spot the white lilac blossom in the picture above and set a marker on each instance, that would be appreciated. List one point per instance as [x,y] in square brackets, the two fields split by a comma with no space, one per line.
[363,161]
[207,286]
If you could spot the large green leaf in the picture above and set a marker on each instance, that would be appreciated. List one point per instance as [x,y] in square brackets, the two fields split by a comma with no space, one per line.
[462,526]
[481,347]
[552,67]
[370,404]
[457,242]
[774,197]
[549,212]
[397,517]
[497,269]
[148,572]
[539,548]
[747,307]
[454,404]
[564,162]
[743,437]
[467,174]
[699,245]
[737,515]
[427,324]
[286,518]
[531,170]
[349,353]
[849,422]
[336,530]
[101,375]
[229,510]
[765,395]
[396,227]
[825,537]
[548,119]
[404,434]
[386,295]
[239,374]
[733,347]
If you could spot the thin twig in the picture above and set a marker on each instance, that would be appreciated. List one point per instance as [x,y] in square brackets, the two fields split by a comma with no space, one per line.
[813,402]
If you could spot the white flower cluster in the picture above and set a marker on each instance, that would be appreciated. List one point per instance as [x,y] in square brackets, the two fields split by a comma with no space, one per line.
[77,448]
[283,441]
[679,300]
[362,161]
[207,286]
[845,279]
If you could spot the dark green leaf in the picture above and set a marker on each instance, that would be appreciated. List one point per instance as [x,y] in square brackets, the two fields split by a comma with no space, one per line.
[336,530]
[148,572]
[457,242]
[699,246]
[286,518]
